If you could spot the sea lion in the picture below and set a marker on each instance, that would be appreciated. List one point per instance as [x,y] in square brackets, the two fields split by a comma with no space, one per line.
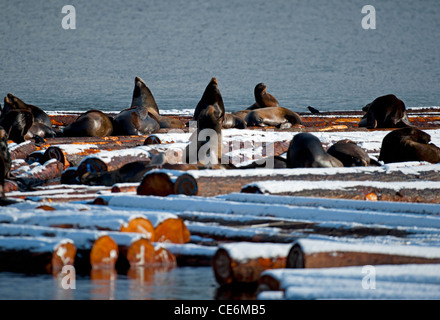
[385,112]
[263,99]
[16,123]
[14,103]
[408,144]
[132,122]
[211,97]
[274,116]
[313,110]
[144,100]
[306,151]
[201,149]
[350,154]
[233,121]
[93,123]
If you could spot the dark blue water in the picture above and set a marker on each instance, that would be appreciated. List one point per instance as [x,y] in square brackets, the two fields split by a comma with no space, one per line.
[307,52]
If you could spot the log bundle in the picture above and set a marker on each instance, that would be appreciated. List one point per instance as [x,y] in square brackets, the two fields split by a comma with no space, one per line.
[164,182]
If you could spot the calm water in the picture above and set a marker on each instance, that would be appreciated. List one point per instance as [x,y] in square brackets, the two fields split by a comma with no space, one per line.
[307,52]
[185,283]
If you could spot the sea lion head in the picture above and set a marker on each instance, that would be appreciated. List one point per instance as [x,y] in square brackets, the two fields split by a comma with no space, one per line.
[142,97]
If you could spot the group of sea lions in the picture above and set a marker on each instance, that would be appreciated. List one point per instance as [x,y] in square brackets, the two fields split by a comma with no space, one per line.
[20,121]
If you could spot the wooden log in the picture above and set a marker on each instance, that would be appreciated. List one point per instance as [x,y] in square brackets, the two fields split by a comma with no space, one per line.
[40,173]
[152,139]
[22,150]
[10,186]
[111,160]
[35,254]
[172,230]
[164,183]
[190,254]
[140,225]
[125,187]
[104,253]
[36,156]
[54,152]
[142,253]
[306,253]
[244,262]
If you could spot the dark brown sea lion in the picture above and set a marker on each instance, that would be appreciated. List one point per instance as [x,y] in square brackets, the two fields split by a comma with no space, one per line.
[263,99]
[201,150]
[233,121]
[211,97]
[93,123]
[275,116]
[350,154]
[144,100]
[134,122]
[306,151]
[408,144]
[16,123]
[385,112]
[14,103]
[5,160]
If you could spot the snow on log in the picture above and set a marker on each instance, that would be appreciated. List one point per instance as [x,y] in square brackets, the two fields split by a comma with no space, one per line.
[166,182]
[35,254]
[407,281]
[308,253]
[40,173]
[22,150]
[244,262]
[127,187]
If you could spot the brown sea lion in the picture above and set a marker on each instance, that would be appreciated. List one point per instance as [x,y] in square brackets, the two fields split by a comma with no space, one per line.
[144,100]
[306,151]
[211,97]
[385,112]
[14,103]
[16,123]
[93,123]
[408,144]
[263,99]
[275,116]
[134,122]
[233,121]
[201,150]
[350,154]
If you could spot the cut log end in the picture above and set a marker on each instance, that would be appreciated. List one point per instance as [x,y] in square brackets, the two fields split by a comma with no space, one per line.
[140,225]
[221,264]
[295,257]
[104,253]
[56,153]
[156,184]
[64,254]
[153,139]
[92,165]
[164,258]
[141,253]
[186,184]
[172,230]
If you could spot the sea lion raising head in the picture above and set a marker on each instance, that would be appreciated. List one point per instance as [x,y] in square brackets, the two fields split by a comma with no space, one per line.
[211,97]
[385,112]
[263,99]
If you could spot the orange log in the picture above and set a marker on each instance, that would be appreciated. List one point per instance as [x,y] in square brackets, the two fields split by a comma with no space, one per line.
[104,253]
[22,150]
[35,254]
[141,253]
[140,225]
[50,170]
[172,230]
[164,258]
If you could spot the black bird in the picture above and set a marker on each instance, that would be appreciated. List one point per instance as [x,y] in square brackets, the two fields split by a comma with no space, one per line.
[313,110]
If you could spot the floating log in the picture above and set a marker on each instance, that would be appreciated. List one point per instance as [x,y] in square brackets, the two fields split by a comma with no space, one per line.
[104,253]
[56,153]
[244,262]
[164,183]
[140,225]
[22,150]
[40,173]
[172,230]
[111,160]
[142,253]
[306,253]
[125,187]
[35,254]
[190,254]
[413,282]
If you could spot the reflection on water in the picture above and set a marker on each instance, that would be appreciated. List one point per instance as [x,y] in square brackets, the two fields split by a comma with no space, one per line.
[183,283]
